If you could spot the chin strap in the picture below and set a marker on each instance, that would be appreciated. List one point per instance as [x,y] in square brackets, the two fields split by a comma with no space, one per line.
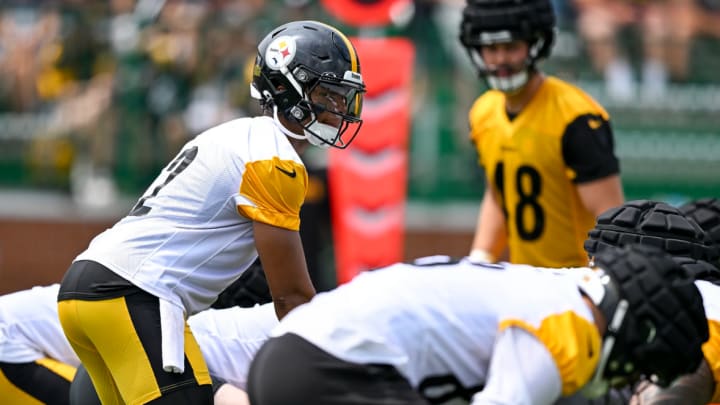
[603,292]
[284,130]
[598,384]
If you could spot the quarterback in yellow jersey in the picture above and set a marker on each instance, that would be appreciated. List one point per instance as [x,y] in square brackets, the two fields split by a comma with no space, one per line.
[693,243]
[546,147]
[233,194]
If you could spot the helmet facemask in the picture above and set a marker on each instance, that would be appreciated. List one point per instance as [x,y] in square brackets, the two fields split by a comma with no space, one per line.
[515,82]
[488,22]
[338,99]
[603,292]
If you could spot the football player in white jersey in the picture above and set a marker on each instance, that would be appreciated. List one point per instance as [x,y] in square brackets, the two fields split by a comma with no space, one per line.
[221,337]
[232,194]
[492,334]
[37,363]
[692,232]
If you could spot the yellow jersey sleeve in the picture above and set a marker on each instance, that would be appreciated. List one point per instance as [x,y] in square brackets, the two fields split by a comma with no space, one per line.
[573,342]
[711,351]
[277,189]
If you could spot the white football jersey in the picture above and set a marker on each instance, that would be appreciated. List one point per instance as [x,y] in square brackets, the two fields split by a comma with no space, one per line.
[229,339]
[191,235]
[440,323]
[30,329]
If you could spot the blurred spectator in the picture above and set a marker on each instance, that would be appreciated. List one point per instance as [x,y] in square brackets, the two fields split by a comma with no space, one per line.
[707,15]
[28,40]
[665,43]
[691,18]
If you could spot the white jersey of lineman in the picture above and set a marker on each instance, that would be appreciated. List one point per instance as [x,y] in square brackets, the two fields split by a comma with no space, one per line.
[229,339]
[30,329]
[191,233]
[445,322]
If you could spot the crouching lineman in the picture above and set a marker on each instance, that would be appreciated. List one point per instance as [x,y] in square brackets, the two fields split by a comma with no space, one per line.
[689,233]
[487,333]
[37,363]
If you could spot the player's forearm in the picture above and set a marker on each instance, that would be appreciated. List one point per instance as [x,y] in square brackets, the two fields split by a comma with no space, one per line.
[490,233]
[600,195]
[285,303]
[230,395]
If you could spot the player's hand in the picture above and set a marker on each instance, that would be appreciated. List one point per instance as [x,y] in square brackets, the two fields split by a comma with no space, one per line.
[645,391]
[480,256]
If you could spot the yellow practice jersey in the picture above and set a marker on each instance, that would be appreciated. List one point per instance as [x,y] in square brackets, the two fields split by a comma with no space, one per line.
[533,162]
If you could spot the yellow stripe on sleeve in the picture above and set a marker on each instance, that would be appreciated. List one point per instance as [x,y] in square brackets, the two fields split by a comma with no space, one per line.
[277,188]
[573,342]
[711,350]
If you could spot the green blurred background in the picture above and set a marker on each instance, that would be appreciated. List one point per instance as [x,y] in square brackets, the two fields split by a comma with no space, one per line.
[96,96]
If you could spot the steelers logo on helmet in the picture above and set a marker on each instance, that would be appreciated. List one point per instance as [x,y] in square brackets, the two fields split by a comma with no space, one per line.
[280,52]
[309,74]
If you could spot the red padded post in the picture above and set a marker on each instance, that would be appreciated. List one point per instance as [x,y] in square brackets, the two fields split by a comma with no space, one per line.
[368,181]
[375,13]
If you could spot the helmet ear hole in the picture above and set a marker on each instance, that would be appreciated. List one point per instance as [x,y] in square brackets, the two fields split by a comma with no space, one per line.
[297,113]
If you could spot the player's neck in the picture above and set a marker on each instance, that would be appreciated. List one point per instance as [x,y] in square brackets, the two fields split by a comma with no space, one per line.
[300,145]
[514,103]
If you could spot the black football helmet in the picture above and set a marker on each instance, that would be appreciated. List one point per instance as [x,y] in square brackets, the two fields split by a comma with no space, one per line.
[655,317]
[292,62]
[487,22]
[706,212]
[652,223]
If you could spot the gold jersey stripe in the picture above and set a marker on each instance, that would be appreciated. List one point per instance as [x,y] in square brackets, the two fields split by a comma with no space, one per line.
[711,350]
[65,371]
[277,189]
[573,342]
[195,358]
